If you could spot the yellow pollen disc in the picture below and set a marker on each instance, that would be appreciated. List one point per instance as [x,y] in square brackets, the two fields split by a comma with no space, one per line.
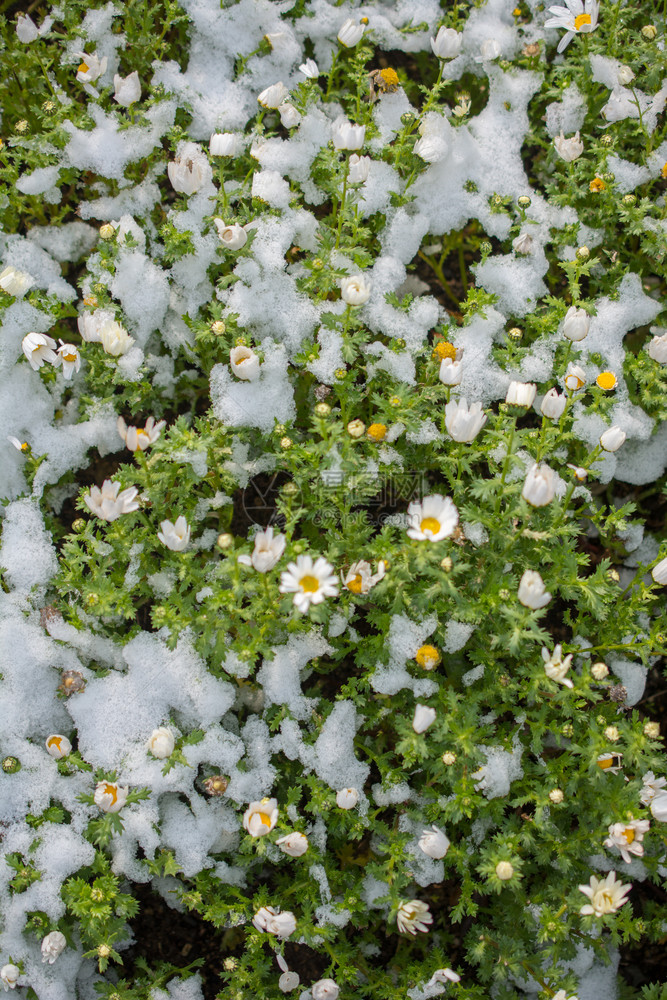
[604,764]
[83,68]
[606,380]
[389,77]
[24,446]
[110,790]
[430,524]
[363,20]
[663,172]
[445,350]
[69,357]
[597,184]
[55,741]
[265,818]
[309,584]
[629,834]
[580,20]
[377,432]
[427,657]
[517,12]
[355,584]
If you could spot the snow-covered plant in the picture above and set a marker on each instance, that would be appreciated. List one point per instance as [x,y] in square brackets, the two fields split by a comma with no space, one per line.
[333,548]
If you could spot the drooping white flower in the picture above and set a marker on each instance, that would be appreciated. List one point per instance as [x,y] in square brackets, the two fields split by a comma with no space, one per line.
[310,69]
[350,33]
[444,976]
[628,837]
[53,945]
[578,17]
[523,243]
[15,282]
[432,519]
[294,844]
[569,149]
[434,843]
[657,349]
[161,742]
[521,394]
[244,363]
[651,787]
[191,170]
[68,355]
[289,116]
[140,438]
[539,487]
[576,324]
[413,916]
[347,798]
[346,135]
[355,289]
[91,67]
[110,797]
[272,97]
[175,536]
[659,572]
[310,582]
[91,323]
[447,43]
[232,236]
[575,378]
[109,503]
[489,49]
[57,746]
[606,895]
[464,423]
[260,817]
[325,989]
[39,348]
[658,807]
[271,921]
[532,592]
[360,578]
[127,90]
[424,717]
[612,438]
[553,405]
[9,976]
[26,29]
[224,144]
[267,551]
[114,338]
[430,147]
[451,368]
[556,667]
[359,167]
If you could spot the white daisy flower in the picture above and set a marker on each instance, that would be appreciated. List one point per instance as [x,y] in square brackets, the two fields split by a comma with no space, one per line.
[432,519]
[577,17]
[310,582]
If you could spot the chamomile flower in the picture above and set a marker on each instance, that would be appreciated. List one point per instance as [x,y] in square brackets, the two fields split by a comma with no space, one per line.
[432,519]
[578,17]
[310,582]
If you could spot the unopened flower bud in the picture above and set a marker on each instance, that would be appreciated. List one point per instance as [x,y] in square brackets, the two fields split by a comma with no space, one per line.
[649,32]
[583,253]
[599,671]
[504,870]
[556,795]
[107,231]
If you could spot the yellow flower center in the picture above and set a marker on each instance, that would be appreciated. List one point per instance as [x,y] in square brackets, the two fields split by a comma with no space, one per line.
[24,446]
[606,763]
[574,382]
[265,818]
[606,380]
[355,584]
[55,741]
[377,432]
[142,434]
[629,834]
[445,350]
[663,172]
[430,524]
[580,20]
[389,77]
[427,657]
[69,357]
[597,184]
[309,584]
[112,791]
[83,68]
